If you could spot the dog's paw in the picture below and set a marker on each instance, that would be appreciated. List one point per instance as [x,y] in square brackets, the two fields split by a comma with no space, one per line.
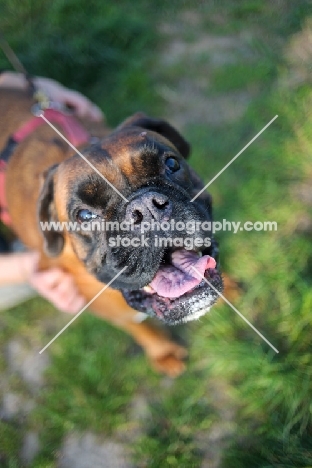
[171,361]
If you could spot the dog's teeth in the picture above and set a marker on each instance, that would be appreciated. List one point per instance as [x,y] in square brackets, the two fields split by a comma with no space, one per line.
[148,289]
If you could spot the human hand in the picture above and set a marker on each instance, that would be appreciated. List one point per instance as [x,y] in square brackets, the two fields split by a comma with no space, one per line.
[54,284]
[80,104]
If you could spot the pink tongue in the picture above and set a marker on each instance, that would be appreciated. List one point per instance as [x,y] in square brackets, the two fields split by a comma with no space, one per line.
[174,280]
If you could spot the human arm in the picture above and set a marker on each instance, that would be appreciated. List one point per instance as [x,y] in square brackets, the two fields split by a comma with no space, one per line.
[54,284]
[80,104]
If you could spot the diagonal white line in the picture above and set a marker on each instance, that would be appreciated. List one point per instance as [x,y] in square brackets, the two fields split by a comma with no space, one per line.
[235,157]
[83,157]
[82,310]
[235,310]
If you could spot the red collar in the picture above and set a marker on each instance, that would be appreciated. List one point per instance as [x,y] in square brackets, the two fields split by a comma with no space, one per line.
[71,128]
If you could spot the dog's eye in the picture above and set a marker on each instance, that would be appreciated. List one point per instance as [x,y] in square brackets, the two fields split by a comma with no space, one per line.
[172,164]
[84,216]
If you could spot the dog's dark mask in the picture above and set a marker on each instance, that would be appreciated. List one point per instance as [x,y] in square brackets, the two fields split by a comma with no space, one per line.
[145,180]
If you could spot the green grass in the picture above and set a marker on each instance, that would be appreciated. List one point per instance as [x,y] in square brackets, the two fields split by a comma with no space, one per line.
[10,440]
[273,390]
[92,392]
[242,76]
[97,371]
[88,46]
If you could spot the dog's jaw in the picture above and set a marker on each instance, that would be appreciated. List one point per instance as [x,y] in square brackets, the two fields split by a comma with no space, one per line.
[189,306]
[196,315]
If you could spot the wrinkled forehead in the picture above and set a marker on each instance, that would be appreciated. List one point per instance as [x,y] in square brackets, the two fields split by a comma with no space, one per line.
[128,155]
[132,141]
[121,153]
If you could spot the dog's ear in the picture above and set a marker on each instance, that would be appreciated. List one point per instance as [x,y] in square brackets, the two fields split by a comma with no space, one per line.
[53,239]
[159,126]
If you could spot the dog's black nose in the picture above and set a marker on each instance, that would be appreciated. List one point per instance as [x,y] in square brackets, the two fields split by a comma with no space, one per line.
[148,206]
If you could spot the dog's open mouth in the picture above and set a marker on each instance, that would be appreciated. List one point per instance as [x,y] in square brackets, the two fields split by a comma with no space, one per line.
[178,292]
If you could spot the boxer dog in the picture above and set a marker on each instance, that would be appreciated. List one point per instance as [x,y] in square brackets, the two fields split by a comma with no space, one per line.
[145,160]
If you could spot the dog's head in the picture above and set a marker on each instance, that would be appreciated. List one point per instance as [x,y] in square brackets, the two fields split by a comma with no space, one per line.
[132,208]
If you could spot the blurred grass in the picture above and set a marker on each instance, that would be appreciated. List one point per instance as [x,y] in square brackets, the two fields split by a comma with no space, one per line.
[242,76]
[107,51]
[94,47]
